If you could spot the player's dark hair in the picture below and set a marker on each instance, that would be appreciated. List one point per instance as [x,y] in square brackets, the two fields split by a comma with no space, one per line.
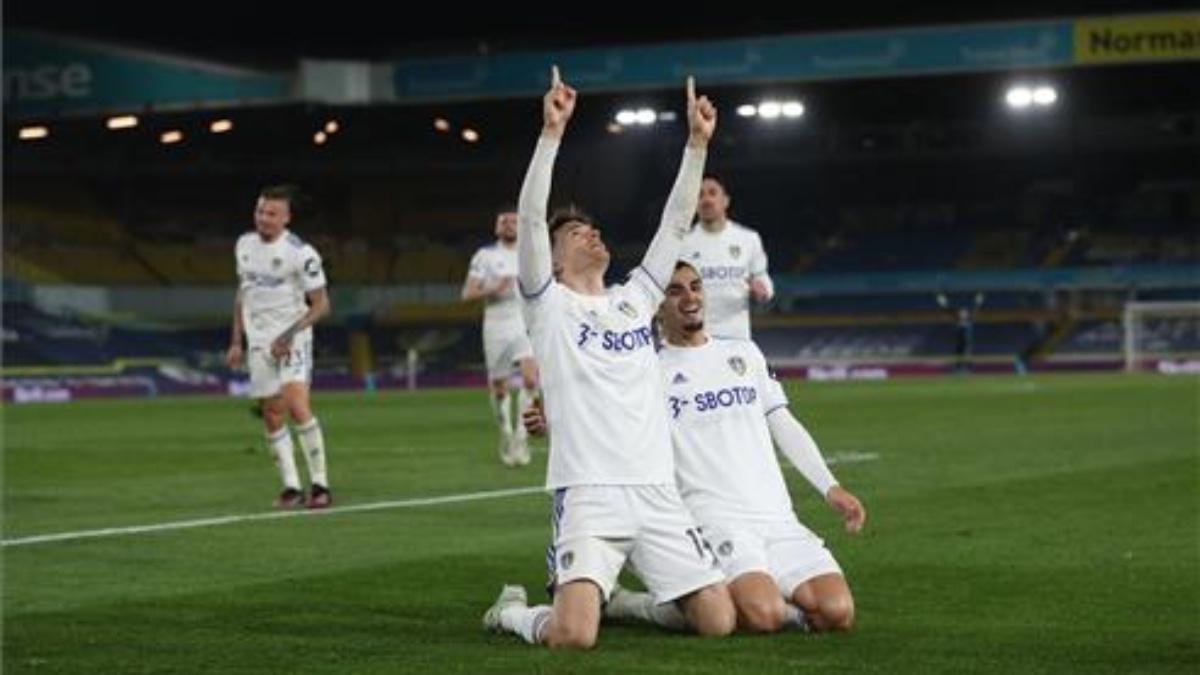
[570,214]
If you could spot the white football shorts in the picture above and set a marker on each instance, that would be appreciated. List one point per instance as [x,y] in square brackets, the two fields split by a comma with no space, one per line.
[598,528]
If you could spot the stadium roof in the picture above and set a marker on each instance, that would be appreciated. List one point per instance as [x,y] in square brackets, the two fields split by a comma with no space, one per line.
[275,34]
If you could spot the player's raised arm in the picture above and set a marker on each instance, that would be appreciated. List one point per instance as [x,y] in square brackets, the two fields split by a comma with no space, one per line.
[533,239]
[660,258]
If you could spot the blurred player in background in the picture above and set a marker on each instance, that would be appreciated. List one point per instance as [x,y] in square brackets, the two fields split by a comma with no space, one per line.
[281,294]
[611,465]
[964,329]
[492,277]
[731,261]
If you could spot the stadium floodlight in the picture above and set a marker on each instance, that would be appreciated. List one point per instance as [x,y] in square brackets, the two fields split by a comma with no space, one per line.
[441,124]
[792,109]
[1045,95]
[332,126]
[171,137]
[1019,98]
[121,122]
[220,126]
[320,137]
[626,117]
[747,110]
[646,116]
[33,133]
[769,110]
[470,135]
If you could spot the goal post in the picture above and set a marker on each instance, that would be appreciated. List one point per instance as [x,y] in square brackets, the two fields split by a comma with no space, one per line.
[1168,329]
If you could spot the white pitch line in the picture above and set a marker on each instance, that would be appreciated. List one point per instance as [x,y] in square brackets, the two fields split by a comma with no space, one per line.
[840,458]
[851,457]
[270,515]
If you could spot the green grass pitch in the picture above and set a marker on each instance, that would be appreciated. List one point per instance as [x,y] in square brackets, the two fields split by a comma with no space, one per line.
[1016,525]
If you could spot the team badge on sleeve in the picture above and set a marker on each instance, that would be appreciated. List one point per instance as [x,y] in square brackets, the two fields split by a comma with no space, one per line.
[312,267]
[738,364]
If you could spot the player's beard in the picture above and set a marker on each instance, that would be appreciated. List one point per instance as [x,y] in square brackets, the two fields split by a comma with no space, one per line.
[508,239]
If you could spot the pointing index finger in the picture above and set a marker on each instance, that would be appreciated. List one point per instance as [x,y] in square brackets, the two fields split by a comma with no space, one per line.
[691,89]
[555,78]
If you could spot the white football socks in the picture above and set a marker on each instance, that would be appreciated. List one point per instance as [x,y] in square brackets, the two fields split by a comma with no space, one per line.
[281,446]
[312,441]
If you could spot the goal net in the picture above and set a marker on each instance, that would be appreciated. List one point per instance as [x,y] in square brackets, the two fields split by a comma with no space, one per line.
[1158,331]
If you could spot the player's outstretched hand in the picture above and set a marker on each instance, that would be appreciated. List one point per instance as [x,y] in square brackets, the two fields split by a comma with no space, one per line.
[702,117]
[854,515]
[557,105]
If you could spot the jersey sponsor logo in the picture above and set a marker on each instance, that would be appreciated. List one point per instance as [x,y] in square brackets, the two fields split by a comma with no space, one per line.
[677,405]
[737,364]
[735,251]
[586,333]
[615,341]
[721,272]
[725,398]
[706,401]
[264,280]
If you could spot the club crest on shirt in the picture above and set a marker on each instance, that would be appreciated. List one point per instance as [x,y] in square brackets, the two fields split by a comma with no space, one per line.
[735,250]
[738,364]
[679,378]
[695,255]
[627,309]
[276,262]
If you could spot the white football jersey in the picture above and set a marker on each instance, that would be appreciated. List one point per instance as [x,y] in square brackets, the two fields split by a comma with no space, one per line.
[274,279]
[726,262]
[603,393]
[490,264]
[718,398]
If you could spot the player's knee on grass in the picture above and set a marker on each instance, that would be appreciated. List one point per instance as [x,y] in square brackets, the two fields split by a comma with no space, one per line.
[571,634]
[576,620]
[710,611]
[837,610]
[761,614]
[760,607]
[827,608]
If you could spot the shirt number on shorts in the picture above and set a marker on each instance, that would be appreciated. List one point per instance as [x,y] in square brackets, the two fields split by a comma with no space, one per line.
[703,548]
